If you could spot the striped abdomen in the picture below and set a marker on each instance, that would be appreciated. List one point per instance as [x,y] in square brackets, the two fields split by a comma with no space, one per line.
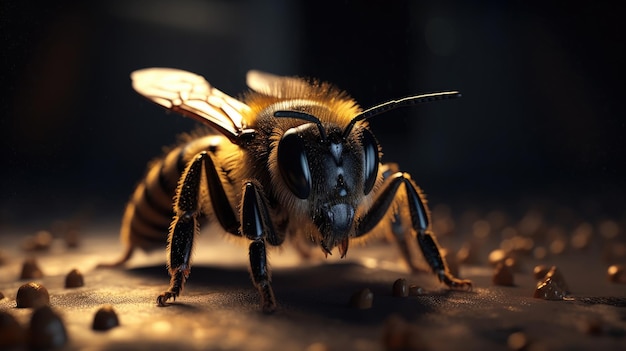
[149,212]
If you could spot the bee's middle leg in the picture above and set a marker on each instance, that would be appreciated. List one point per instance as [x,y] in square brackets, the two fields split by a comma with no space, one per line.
[257,226]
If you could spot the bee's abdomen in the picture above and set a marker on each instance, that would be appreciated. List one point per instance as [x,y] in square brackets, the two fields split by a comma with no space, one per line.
[149,212]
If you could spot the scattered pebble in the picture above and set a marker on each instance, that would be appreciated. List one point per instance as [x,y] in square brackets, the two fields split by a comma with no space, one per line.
[497,219]
[540,271]
[481,229]
[558,246]
[400,335]
[517,244]
[362,299]
[32,295]
[552,287]
[30,269]
[556,275]
[508,232]
[74,279]
[581,236]
[41,241]
[614,252]
[72,238]
[609,229]
[443,223]
[503,275]
[1,295]
[540,252]
[415,290]
[616,274]
[531,224]
[497,256]
[12,334]
[468,253]
[517,341]
[318,346]
[549,290]
[400,288]
[105,318]
[46,330]
[591,326]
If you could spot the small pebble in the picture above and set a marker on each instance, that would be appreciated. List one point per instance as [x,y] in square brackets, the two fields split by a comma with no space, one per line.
[481,229]
[616,274]
[540,252]
[1,295]
[540,271]
[614,252]
[47,330]
[518,244]
[581,237]
[72,238]
[503,275]
[517,341]
[415,290]
[105,318]
[531,224]
[497,256]
[31,270]
[549,290]
[468,253]
[317,346]
[32,295]
[553,286]
[591,326]
[41,241]
[609,229]
[400,335]
[556,275]
[362,299]
[11,332]
[74,279]
[400,288]
[497,219]
[558,246]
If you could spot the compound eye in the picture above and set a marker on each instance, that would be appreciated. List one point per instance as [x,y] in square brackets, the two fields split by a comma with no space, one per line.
[370,161]
[293,164]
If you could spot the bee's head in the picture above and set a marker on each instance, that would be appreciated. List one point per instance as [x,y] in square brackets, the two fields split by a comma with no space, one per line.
[333,172]
[333,169]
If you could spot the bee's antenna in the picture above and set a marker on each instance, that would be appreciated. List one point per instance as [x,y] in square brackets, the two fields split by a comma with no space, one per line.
[305,116]
[390,105]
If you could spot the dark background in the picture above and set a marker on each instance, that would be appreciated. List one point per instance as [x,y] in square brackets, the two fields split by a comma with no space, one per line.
[542,113]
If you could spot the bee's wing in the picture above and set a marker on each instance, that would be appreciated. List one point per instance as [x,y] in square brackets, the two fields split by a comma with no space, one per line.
[277,86]
[191,95]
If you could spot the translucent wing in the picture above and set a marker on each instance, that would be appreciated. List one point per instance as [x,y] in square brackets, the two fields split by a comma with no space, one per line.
[277,86]
[192,96]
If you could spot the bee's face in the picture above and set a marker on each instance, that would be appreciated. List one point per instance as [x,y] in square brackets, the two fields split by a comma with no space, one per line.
[332,172]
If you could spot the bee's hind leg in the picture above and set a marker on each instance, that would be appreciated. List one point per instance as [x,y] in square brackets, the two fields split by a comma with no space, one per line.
[420,221]
[183,229]
[185,226]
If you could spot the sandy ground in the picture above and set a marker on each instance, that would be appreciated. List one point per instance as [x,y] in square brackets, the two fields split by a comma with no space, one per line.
[219,308]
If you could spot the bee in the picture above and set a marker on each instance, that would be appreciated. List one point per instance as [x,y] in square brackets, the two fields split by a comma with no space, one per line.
[293,159]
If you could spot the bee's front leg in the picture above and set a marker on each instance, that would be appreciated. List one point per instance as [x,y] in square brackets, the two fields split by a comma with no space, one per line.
[257,226]
[420,221]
